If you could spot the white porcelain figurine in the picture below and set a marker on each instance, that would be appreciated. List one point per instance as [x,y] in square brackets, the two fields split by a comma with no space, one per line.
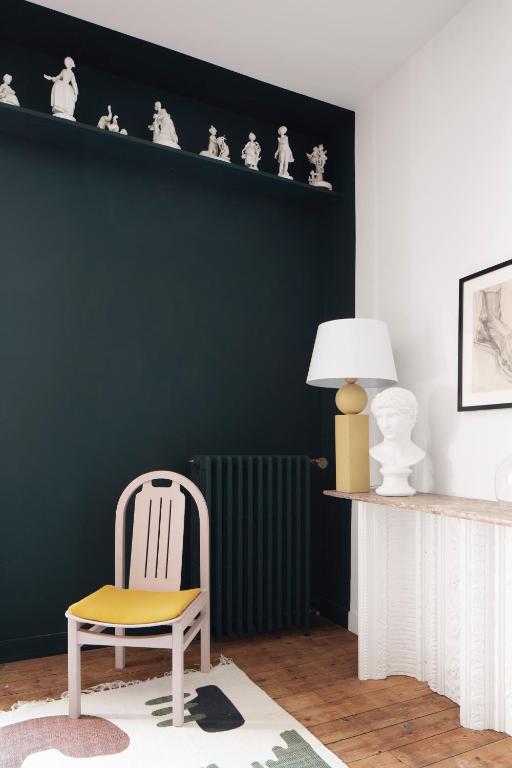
[223,149]
[64,91]
[110,122]
[396,410]
[163,128]
[113,126]
[318,158]
[283,154]
[105,120]
[8,94]
[213,147]
[251,153]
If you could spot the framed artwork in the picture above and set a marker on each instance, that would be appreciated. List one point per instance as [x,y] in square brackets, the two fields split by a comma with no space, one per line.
[485,339]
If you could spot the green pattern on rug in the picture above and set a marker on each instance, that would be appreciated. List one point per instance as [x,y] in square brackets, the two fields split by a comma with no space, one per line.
[297,754]
[192,704]
[214,711]
[168,710]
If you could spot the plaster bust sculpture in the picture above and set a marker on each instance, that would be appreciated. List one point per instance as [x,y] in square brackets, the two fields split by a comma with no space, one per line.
[8,94]
[396,410]
[163,128]
[64,91]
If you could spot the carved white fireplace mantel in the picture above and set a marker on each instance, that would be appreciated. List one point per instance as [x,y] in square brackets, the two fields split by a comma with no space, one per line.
[435,598]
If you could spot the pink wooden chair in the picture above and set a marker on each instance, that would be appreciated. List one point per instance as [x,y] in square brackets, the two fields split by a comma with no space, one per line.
[153,597]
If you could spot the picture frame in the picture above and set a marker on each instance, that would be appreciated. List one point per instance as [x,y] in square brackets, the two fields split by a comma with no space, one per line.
[485,339]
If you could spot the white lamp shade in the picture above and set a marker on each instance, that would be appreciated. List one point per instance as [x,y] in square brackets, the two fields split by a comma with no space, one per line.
[352,349]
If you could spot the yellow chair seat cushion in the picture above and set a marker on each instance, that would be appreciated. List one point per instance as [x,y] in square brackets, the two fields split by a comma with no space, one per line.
[113,605]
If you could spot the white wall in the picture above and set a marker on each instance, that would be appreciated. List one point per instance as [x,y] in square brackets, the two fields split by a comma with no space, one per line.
[434,203]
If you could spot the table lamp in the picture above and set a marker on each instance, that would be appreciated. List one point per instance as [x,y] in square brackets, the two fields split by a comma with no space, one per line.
[346,352]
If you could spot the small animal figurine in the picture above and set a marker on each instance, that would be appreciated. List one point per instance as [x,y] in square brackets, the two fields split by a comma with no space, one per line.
[114,125]
[105,120]
[223,149]
[110,123]
[8,94]
[251,153]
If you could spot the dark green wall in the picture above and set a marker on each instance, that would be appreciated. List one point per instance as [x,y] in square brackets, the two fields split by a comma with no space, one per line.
[144,318]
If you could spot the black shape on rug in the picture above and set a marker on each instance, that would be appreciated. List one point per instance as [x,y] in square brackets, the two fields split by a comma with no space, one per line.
[210,709]
[220,712]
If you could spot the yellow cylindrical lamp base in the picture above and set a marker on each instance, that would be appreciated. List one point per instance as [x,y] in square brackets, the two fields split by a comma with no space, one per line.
[352,453]
[352,440]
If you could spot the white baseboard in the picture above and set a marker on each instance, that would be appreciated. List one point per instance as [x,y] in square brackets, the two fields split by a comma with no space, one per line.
[353,622]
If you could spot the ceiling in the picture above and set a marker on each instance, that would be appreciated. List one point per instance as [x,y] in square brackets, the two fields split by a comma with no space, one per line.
[334,50]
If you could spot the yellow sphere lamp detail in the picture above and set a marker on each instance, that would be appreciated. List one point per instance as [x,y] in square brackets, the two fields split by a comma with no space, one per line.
[349,355]
[351,398]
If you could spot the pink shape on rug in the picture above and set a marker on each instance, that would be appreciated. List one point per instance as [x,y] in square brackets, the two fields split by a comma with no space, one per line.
[85,737]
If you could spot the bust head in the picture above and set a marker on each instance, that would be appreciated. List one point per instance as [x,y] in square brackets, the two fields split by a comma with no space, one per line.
[396,410]
[252,137]
[7,79]
[158,106]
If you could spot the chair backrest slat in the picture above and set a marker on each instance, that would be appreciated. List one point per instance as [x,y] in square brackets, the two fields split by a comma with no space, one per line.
[158,528]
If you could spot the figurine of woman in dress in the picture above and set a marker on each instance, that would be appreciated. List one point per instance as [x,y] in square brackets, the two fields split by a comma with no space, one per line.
[283,153]
[163,128]
[8,94]
[251,153]
[64,91]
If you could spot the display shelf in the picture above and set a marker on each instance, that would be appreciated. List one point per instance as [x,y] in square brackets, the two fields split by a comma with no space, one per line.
[37,126]
[436,504]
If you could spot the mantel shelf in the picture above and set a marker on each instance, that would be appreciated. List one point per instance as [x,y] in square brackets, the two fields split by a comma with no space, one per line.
[37,126]
[437,504]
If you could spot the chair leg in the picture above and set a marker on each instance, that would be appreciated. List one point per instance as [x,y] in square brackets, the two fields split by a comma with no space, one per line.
[177,676]
[74,671]
[120,650]
[205,642]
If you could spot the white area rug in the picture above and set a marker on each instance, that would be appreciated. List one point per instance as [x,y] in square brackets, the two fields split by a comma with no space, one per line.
[230,723]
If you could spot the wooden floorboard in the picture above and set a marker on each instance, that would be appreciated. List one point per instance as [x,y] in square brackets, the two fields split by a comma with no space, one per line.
[392,723]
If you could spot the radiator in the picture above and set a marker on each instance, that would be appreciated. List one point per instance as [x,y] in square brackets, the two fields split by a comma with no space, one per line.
[259,541]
